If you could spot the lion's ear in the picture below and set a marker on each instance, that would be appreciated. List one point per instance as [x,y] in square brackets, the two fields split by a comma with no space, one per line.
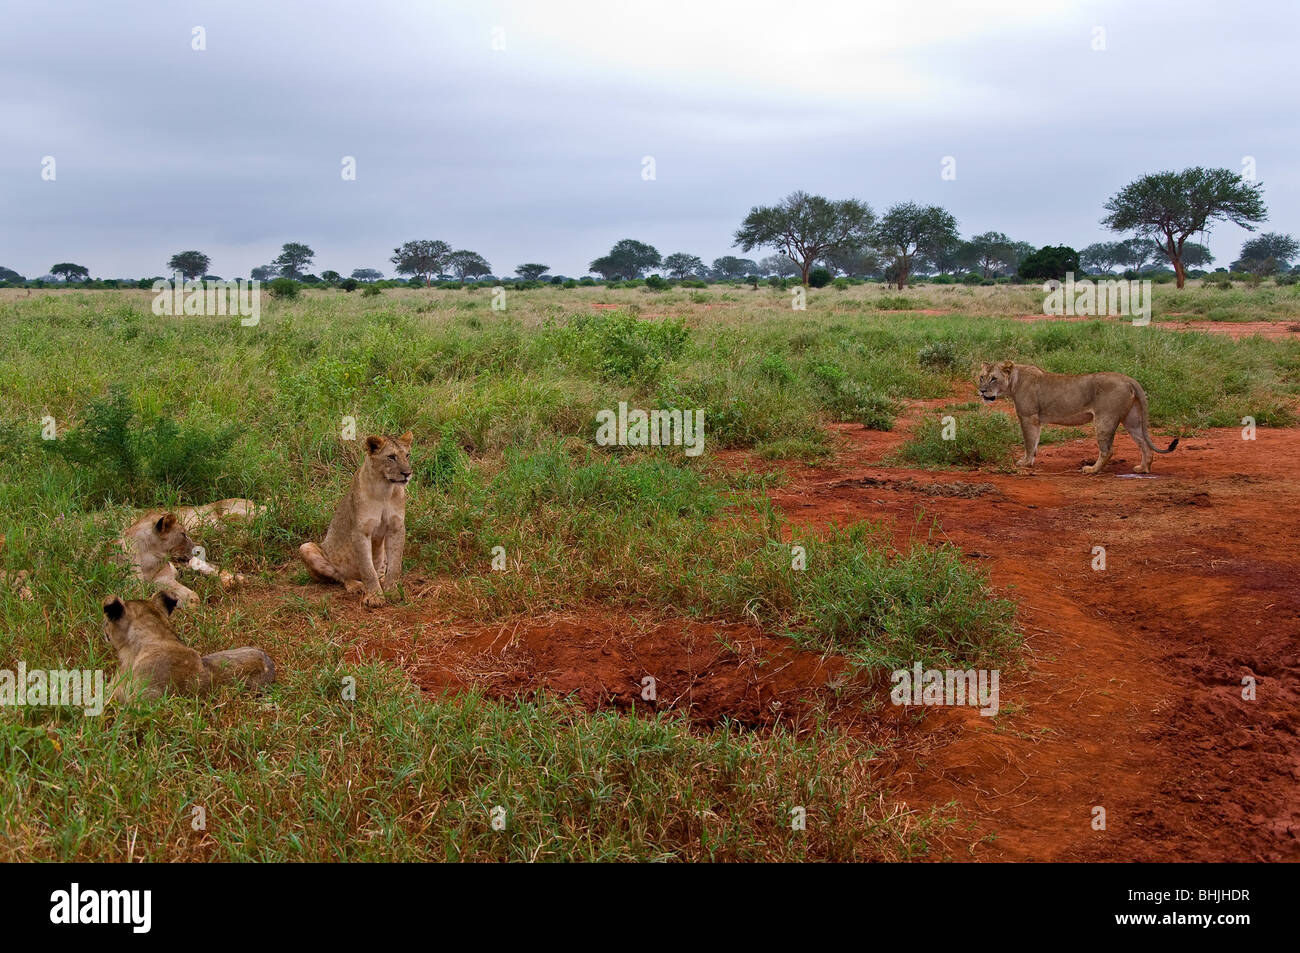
[1008,365]
[165,523]
[114,608]
[167,601]
[373,443]
[985,367]
[406,440]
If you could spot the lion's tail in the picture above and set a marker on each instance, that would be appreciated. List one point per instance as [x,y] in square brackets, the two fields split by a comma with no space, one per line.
[1141,396]
[251,666]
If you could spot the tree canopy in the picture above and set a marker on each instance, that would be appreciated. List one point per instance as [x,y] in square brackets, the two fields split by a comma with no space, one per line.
[626,260]
[190,264]
[294,259]
[421,258]
[806,228]
[1171,206]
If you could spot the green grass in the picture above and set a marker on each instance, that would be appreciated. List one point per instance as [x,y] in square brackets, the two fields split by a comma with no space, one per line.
[503,407]
[970,439]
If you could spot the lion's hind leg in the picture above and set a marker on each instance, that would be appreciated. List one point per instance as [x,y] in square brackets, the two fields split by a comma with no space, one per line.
[321,569]
[1137,429]
[1105,442]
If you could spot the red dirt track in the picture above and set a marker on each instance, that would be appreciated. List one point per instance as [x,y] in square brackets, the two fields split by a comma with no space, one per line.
[1131,693]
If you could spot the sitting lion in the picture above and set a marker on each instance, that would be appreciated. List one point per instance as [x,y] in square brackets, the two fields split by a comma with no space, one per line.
[363,547]
[153,541]
[1071,399]
[152,660]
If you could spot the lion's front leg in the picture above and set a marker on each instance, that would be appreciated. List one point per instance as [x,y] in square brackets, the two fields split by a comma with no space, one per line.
[1030,430]
[362,549]
[393,547]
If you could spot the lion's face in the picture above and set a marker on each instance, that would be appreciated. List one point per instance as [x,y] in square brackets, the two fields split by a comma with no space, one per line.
[170,537]
[391,456]
[995,380]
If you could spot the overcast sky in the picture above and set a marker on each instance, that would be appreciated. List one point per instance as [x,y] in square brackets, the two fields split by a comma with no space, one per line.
[519,129]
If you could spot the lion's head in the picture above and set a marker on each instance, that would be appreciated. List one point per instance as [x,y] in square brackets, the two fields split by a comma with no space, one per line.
[391,456]
[130,621]
[995,380]
[169,537]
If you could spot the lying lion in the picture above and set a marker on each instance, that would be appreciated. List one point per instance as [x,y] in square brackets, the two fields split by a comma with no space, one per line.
[1106,399]
[153,541]
[363,546]
[153,661]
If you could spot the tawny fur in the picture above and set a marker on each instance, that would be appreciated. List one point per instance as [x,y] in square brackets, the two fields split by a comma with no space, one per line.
[155,539]
[152,661]
[1105,399]
[362,549]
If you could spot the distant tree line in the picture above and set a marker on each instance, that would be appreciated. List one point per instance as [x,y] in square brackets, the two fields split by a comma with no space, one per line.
[816,239]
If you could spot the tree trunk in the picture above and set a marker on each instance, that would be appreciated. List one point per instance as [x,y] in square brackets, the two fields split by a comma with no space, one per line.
[1180,271]
[806,267]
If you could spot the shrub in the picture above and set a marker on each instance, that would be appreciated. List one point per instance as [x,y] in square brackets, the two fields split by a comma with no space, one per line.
[979,438]
[971,278]
[285,288]
[371,291]
[841,283]
[1049,262]
[819,278]
[938,356]
[656,283]
[626,349]
[570,283]
[349,284]
[117,456]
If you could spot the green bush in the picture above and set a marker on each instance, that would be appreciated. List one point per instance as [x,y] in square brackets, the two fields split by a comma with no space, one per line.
[656,283]
[819,278]
[118,457]
[285,288]
[1050,262]
[349,284]
[371,291]
[841,283]
[938,356]
[979,439]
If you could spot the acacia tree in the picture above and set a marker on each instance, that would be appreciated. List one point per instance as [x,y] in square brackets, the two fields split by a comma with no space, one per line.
[1171,206]
[680,265]
[806,228]
[731,268]
[992,251]
[190,264]
[294,259]
[468,264]
[421,258]
[1267,253]
[627,259]
[1101,257]
[531,271]
[1136,253]
[70,272]
[779,265]
[914,234]
[366,274]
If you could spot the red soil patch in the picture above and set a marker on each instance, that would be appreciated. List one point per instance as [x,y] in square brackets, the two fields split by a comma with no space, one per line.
[710,672]
[1274,330]
[1131,696]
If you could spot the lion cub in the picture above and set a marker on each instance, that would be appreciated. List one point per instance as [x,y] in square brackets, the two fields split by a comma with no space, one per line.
[153,541]
[363,547]
[152,660]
